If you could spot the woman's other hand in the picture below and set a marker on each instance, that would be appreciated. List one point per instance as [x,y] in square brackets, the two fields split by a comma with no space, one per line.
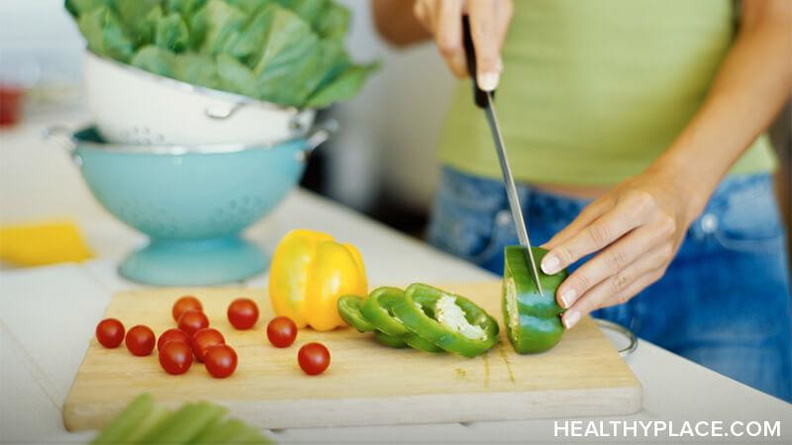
[489,22]
[635,230]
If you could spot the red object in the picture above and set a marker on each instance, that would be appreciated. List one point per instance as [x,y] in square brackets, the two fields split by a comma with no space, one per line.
[140,340]
[281,332]
[313,358]
[191,321]
[205,338]
[184,304]
[110,333]
[220,361]
[10,105]
[172,334]
[243,313]
[175,357]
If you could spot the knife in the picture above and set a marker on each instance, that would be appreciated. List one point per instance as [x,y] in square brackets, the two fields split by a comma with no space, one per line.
[486,101]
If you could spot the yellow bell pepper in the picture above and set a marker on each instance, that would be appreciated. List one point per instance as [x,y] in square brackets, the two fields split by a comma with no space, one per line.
[309,272]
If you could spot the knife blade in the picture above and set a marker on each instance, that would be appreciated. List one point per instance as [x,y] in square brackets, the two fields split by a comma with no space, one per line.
[486,101]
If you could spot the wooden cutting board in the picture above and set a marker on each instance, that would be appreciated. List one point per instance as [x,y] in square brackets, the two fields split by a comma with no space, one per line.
[366,383]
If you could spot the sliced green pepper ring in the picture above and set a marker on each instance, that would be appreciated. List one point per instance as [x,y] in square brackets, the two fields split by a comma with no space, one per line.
[377,310]
[417,342]
[349,310]
[465,329]
[389,340]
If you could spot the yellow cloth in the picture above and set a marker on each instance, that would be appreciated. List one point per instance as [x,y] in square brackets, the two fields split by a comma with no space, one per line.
[594,91]
[41,244]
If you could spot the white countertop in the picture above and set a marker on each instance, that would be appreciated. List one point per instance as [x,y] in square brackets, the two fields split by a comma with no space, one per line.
[47,315]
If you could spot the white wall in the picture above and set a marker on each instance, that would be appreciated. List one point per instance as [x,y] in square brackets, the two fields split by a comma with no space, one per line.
[389,133]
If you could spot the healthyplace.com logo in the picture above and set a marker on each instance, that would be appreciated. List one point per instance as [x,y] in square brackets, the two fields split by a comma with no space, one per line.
[665,428]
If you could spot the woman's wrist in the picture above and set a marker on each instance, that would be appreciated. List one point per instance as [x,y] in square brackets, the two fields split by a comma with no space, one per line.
[692,181]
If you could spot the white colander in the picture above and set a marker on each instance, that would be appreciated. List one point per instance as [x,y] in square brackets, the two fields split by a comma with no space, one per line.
[133,106]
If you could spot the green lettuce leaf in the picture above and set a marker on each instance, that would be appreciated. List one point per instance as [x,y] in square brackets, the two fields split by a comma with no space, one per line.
[289,52]
[343,87]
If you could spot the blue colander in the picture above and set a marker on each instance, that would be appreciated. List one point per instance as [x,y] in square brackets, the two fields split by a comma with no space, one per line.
[193,202]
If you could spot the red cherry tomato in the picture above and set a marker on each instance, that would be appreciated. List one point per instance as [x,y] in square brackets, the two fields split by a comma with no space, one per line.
[314,358]
[243,313]
[175,357]
[281,332]
[184,304]
[220,361]
[193,320]
[203,339]
[170,335]
[140,340]
[110,333]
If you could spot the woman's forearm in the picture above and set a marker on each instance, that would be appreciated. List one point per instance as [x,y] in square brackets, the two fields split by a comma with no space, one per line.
[751,86]
[396,22]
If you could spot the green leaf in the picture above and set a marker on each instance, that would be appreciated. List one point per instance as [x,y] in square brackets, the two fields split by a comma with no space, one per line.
[172,33]
[223,24]
[185,8]
[235,76]
[80,7]
[105,35]
[197,69]
[291,56]
[286,51]
[139,18]
[344,87]
[156,60]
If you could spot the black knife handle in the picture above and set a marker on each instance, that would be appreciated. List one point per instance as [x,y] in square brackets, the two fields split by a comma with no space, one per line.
[479,95]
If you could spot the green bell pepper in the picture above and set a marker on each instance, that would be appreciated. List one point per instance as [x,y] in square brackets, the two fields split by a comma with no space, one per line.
[532,319]
[349,310]
[449,321]
[389,340]
[378,310]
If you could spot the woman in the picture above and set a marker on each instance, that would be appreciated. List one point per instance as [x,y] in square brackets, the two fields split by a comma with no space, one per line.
[636,131]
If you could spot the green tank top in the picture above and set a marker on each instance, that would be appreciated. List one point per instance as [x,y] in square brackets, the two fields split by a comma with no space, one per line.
[594,91]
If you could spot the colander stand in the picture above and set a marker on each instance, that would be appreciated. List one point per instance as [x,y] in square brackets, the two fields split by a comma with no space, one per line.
[194,262]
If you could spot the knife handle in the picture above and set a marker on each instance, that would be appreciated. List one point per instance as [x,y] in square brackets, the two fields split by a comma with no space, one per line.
[479,95]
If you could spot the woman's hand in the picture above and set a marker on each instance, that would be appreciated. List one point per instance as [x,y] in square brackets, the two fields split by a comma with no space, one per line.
[637,228]
[489,21]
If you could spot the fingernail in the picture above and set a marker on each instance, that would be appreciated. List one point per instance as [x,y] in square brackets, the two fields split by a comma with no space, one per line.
[568,297]
[500,65]
[488,81]
[551,264]
[571,318]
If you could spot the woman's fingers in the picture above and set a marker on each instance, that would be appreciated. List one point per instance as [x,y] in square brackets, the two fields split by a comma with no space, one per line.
[487,28]
[590,213]
[613,260]
[489,21]
[597,235]
[448,35]
[620,287]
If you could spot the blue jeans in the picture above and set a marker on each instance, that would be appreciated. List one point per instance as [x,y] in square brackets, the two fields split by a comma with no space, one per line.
[724,301]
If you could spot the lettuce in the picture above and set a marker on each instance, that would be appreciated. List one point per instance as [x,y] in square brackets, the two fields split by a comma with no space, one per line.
[289,52]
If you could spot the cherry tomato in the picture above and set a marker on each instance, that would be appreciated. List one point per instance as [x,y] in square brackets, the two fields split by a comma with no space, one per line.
[193,320]
[314,358]
[203,339]
[243,313]
[220,361]
[281,332]
[184,304]
[175,357]
[170,335]
[140,340]
[110,333]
